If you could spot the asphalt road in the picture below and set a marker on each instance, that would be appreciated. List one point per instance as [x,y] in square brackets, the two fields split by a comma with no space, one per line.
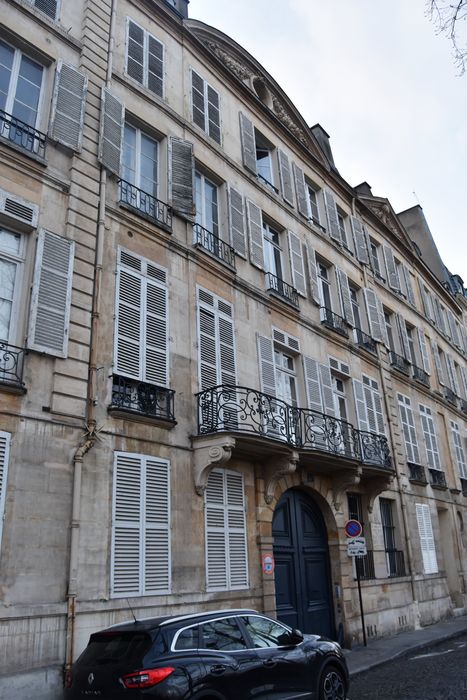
[435,673]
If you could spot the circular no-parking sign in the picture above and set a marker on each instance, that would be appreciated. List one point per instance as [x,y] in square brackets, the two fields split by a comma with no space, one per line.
[353,528]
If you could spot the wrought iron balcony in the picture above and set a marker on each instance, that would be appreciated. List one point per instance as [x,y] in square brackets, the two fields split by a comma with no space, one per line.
[140,398]
[450,396]
[145,205]
[316,224]
[11,365]
[333,321]
[282,289]
[437,478]
[464,405]
[420,375]
[22,135]
[365,566]
[213,244]
[266,182]
[464,486]
[365,341]
[395,563]
[417,473]
[399,362]
[238,409]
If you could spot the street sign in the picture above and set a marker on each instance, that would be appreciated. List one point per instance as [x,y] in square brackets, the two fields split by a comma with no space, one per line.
[268,564]
[353,528]
[356,547]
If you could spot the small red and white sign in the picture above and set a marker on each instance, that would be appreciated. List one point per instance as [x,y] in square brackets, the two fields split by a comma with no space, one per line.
[268,564]
[353,528]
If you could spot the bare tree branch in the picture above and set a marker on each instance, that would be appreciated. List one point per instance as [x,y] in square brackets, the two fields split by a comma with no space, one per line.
[450,19]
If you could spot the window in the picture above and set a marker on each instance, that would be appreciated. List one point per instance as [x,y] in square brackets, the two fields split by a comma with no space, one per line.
[459,450]
[264,151]
[408,427]
[286,382]
[264,633]
[272,250]
[222,635]
[140,160]
[4,459]
[431,443]
[375,252]
[411,341]
[342,220]
[226,546]
[11,267]
[216,341]
[145,59]
[369,405]
[48,7]
[141,526]
[389,332]
[312,194]
[205,106]
[355,307]
[394,558]
[324,285]
[207,208]
[21,80]
[427,540]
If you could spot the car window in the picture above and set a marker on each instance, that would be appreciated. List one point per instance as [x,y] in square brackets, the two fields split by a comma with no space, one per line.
[110,647]
[187,639]
[222,635]
[263,632]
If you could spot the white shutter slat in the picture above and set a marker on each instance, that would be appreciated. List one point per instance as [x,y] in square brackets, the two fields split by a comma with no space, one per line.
[285,174]
[156,335]
[126,535]
[427,540]
[157,564]
[393,278]
[207,349]
[227,351]
[255,230]
[51,295]
[128,330]
[247,133]
[313,273]
[111,132]
[361,247]
[424,351]
[296,263]
[300,190]
[331,212]
[266,364]
[135,58]
[373,314]
[237,222]
[430,437]
[68,103]
[360,405]
[182,169]
[5,440]
[344,294]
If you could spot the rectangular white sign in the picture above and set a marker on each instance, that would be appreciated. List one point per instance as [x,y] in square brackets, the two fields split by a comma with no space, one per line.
[356,546]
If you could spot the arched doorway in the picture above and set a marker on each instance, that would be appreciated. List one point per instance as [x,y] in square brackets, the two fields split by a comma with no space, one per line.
[302,573]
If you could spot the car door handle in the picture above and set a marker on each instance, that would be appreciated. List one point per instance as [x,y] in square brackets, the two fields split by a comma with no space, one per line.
[269,663]
[218,670]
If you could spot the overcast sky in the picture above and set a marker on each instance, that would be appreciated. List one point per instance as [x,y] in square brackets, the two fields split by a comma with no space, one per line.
[374,74]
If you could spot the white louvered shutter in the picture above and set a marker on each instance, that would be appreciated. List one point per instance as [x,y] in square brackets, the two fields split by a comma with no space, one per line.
[214,116]
[266,365]
[300,190]
[5,439]
[373,314]
[182,172]
[408,285]
[331,213]
[135,59]
[393,277]
[360,405]
[156,336]
[382,322]
[423,297]
[111,132]
[285,176]
[374,406]
[237,222]
[156,531]
[453,328]
[453,375]
[237,546]
[344,294]
[361,247]
[247,133]
[427,540]
[313,386]
[458,449]
[404,337]
[431,443]
[326,390]
[227,350]
[128,328]
[216,340]
[313,273]
[68,103]
[255,230]
[464,381]
[424,351]
[437,359]
[408,427]
[208,365]
[296,263]
[51,295]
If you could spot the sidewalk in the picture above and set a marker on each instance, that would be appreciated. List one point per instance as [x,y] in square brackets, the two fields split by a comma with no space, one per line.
[379,651]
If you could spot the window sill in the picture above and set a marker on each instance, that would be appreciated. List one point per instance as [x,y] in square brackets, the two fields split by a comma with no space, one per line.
[11,388]
[23,151]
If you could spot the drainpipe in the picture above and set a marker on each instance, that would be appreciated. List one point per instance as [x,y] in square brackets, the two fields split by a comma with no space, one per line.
[90,422]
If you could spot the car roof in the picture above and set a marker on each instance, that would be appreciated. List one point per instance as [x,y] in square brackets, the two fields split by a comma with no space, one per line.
[149,623]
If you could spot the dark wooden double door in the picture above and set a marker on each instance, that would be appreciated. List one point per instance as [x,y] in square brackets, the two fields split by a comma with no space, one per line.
[302,573]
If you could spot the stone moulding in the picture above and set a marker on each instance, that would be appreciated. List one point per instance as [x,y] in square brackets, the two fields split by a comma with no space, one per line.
[210,452]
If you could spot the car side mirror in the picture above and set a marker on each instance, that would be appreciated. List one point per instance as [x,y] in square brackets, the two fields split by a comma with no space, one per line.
[291,638]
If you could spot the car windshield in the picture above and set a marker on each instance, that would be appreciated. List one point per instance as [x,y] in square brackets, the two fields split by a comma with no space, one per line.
[111,647]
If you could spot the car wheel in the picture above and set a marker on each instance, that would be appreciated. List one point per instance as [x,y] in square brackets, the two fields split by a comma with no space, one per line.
[332,684]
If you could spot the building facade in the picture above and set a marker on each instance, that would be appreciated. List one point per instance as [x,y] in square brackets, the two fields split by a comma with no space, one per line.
[214,350]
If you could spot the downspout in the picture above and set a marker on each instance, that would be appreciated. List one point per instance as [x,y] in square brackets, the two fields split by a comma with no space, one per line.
[90,421]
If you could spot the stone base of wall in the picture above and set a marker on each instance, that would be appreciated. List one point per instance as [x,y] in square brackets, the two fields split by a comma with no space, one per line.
[41,684]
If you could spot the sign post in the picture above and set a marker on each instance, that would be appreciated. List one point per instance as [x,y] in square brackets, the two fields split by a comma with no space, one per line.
[356,547]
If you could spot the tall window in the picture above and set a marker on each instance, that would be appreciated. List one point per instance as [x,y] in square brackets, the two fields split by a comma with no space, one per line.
[394,559]
[427,540]
[272,250]
[411,340]
[408,427]
[145,59]
[388,323]
[312,201]
[205,106]
[324,285]
[225,532]
[341,220]
[431,442]
[11,264]
[264,158]
[375,249]
[286,382]
[460,454]
[21,81]
[216,341]
[140,160]
[141,526]
[207,208]
[355,307]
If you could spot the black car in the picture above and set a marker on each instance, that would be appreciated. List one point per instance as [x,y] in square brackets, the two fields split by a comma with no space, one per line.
[222,655]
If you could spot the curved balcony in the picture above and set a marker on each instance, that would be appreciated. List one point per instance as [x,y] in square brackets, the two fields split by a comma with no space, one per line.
[248,412]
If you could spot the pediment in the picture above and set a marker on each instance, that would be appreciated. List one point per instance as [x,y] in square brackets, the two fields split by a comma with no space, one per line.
[383,210]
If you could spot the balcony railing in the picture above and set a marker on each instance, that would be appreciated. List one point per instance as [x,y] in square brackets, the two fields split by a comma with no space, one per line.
[399,362]
[450,396]
[395,563]
[316,224]
[365,566]
[11,365]
[282,289]
[140,398]
[464,486]
[22,135]
[266,182]
[242,410]
[365,341]
[464,405]
[333,321]
[417,473]
[209,241]
[437,478]
[420,375]
[145,204]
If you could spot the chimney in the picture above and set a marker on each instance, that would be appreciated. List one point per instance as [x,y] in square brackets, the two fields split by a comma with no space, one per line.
[323,139]
[180,6]
[364,189]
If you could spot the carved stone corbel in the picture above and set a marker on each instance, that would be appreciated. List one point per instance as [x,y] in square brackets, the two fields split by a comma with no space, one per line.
[375,486]
[276,468]
[341,482]
[210,452]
